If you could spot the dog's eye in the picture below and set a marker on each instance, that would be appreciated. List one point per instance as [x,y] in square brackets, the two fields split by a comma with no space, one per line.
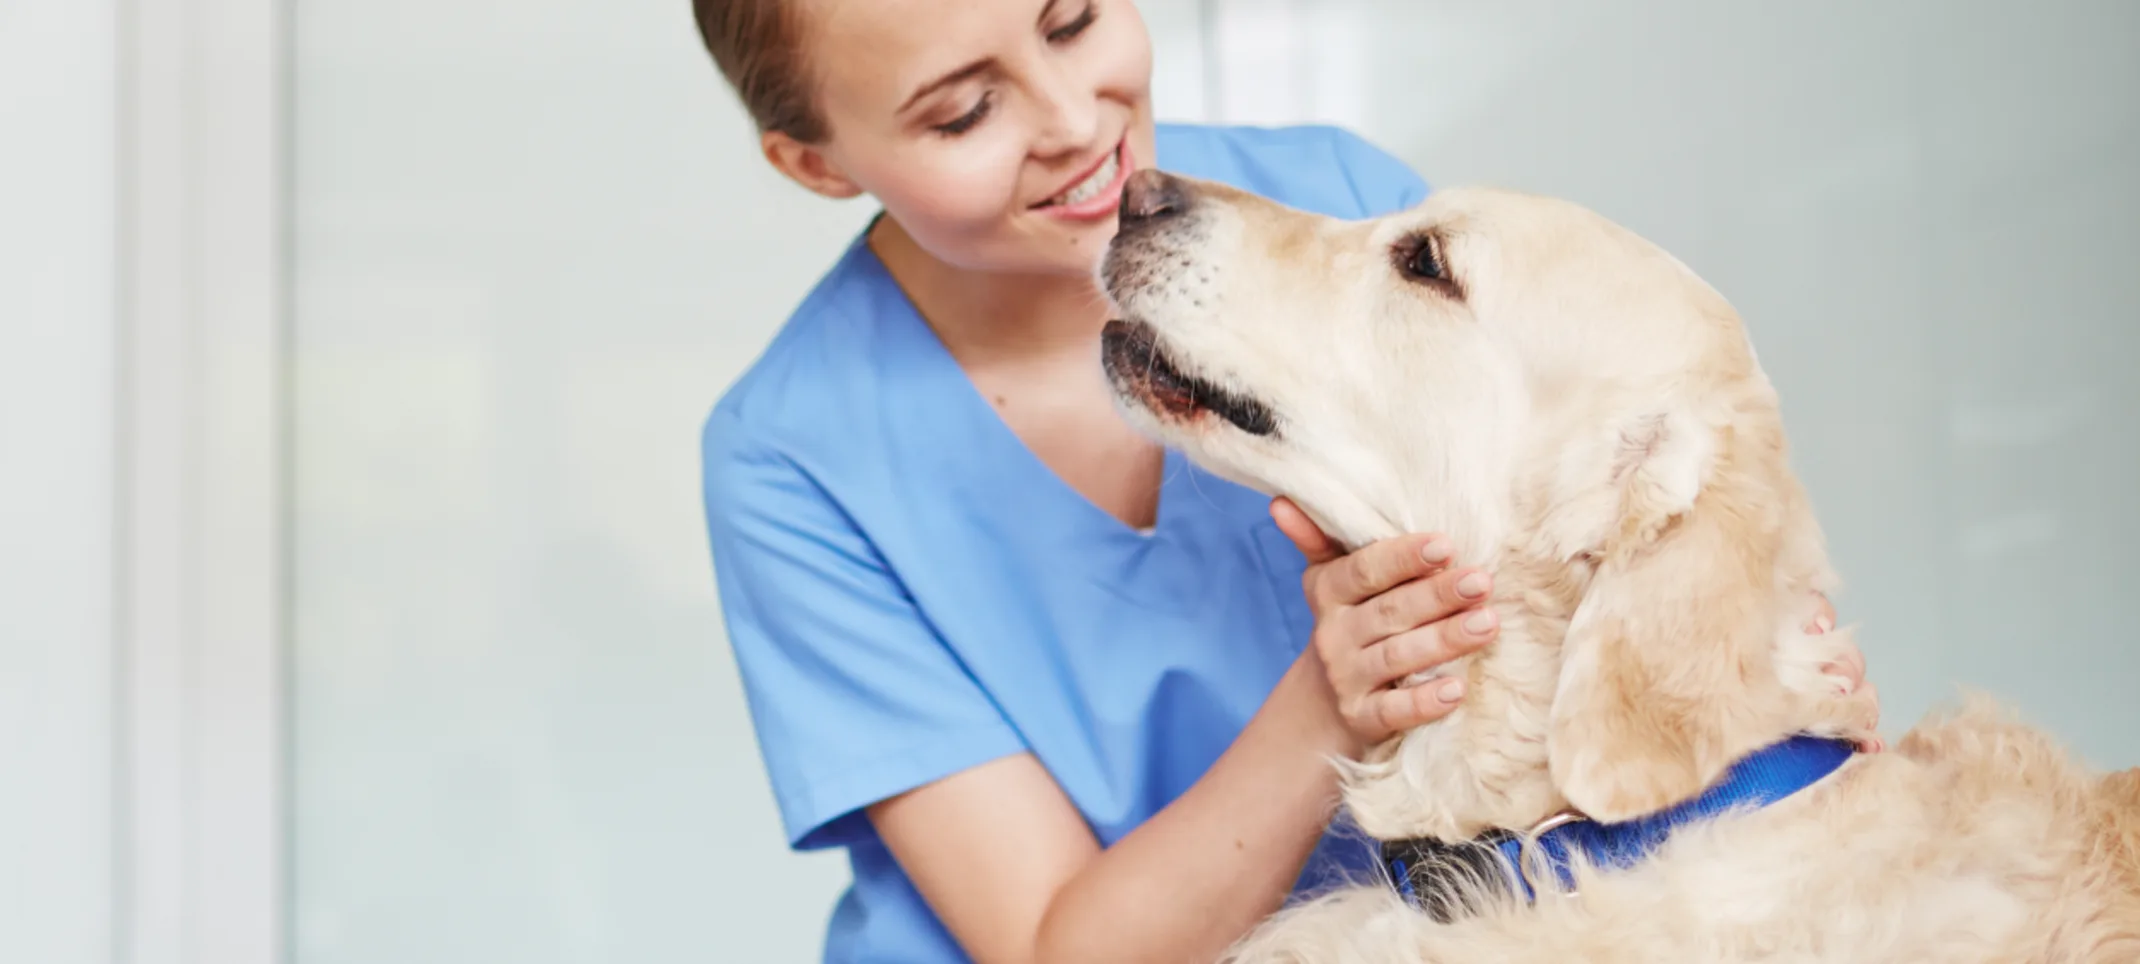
[1420,259]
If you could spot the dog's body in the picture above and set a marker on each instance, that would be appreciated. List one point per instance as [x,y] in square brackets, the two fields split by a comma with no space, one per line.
[1973,840]
[1584,416]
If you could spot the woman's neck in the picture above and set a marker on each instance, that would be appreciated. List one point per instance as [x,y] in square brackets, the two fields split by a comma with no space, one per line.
[992,316]
[1030,344]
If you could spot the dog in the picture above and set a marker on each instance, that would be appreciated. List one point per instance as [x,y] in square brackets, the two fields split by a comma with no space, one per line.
[1586,417]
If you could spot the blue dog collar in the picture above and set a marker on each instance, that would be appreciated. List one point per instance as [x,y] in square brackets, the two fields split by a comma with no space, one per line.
[1422,868]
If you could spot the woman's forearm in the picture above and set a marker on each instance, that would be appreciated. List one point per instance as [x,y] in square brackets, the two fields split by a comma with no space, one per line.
[1205,869]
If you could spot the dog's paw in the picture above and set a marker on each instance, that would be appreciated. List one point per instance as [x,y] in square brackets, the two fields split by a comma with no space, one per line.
[1831,700]
[1817,669]
[1846,713]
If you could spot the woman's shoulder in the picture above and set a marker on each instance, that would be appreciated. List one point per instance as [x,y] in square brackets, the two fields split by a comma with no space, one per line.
[1315,167]
[822,365]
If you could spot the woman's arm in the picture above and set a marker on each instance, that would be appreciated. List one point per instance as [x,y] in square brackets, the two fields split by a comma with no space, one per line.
[1005,860]
[1009,865]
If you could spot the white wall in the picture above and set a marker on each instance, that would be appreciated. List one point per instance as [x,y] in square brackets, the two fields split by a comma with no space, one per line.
[58,435]
[138,511]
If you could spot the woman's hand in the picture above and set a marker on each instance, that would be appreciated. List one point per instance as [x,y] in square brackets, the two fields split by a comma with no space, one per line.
[1402,606]
[1384,612]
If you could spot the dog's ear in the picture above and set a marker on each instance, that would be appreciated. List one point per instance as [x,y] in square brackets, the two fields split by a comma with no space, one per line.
[1667,674]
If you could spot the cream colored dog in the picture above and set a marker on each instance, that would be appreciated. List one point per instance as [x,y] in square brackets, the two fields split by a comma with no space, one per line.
[1584,416]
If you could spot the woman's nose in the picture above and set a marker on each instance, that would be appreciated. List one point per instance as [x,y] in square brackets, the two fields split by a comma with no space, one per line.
[1070,109]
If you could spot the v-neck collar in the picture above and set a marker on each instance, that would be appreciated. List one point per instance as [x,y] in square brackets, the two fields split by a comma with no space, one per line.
[983,448]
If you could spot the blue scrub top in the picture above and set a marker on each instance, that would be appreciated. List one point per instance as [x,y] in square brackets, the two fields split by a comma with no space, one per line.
[910,592]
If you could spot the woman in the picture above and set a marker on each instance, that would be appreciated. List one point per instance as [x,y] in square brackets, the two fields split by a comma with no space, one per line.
[1051,687]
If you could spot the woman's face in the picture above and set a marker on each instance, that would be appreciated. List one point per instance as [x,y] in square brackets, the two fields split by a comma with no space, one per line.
[997,132]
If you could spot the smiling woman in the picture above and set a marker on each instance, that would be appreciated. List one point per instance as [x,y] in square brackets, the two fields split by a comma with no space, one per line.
[1123,764]
[1059,694]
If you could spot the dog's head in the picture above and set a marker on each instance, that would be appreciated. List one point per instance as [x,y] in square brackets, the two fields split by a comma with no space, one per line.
[1570,403]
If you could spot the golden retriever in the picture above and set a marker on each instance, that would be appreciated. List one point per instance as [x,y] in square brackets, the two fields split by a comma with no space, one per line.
[1585,416]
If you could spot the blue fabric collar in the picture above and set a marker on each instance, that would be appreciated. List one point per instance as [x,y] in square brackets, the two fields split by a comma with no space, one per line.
[1419,868]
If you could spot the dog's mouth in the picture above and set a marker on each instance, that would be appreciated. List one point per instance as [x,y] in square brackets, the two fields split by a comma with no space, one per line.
[1139,368]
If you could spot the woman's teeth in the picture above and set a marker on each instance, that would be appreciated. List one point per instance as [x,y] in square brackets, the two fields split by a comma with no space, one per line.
[1090,187]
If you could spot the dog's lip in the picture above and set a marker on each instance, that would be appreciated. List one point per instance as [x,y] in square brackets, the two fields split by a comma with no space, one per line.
[1140,368]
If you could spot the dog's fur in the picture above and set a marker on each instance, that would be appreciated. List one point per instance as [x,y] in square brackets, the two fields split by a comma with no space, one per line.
[1586,417]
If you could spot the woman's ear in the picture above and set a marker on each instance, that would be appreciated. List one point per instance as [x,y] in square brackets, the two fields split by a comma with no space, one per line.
[1667,670]
[807,165]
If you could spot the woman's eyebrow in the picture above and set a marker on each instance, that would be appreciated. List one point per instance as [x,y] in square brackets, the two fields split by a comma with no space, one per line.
[963,73]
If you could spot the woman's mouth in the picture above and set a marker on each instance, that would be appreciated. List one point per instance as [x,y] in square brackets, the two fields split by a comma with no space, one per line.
[1095,195]
[1090,187]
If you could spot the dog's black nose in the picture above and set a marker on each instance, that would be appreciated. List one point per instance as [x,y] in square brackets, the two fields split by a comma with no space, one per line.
[1151,196]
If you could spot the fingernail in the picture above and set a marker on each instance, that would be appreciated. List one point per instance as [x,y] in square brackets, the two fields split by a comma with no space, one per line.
[1451,691]
[1472,586]
[1435,552]
[1479,623]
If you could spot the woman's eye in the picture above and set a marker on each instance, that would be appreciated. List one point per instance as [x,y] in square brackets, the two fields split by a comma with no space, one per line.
[964,122]
[1069,31]
[1425,261]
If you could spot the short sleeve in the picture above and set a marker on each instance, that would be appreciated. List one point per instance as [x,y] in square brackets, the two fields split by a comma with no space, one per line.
[853,696]
[1382,183]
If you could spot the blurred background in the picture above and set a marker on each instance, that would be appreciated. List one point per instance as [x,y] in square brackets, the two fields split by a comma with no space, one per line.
[355,606]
